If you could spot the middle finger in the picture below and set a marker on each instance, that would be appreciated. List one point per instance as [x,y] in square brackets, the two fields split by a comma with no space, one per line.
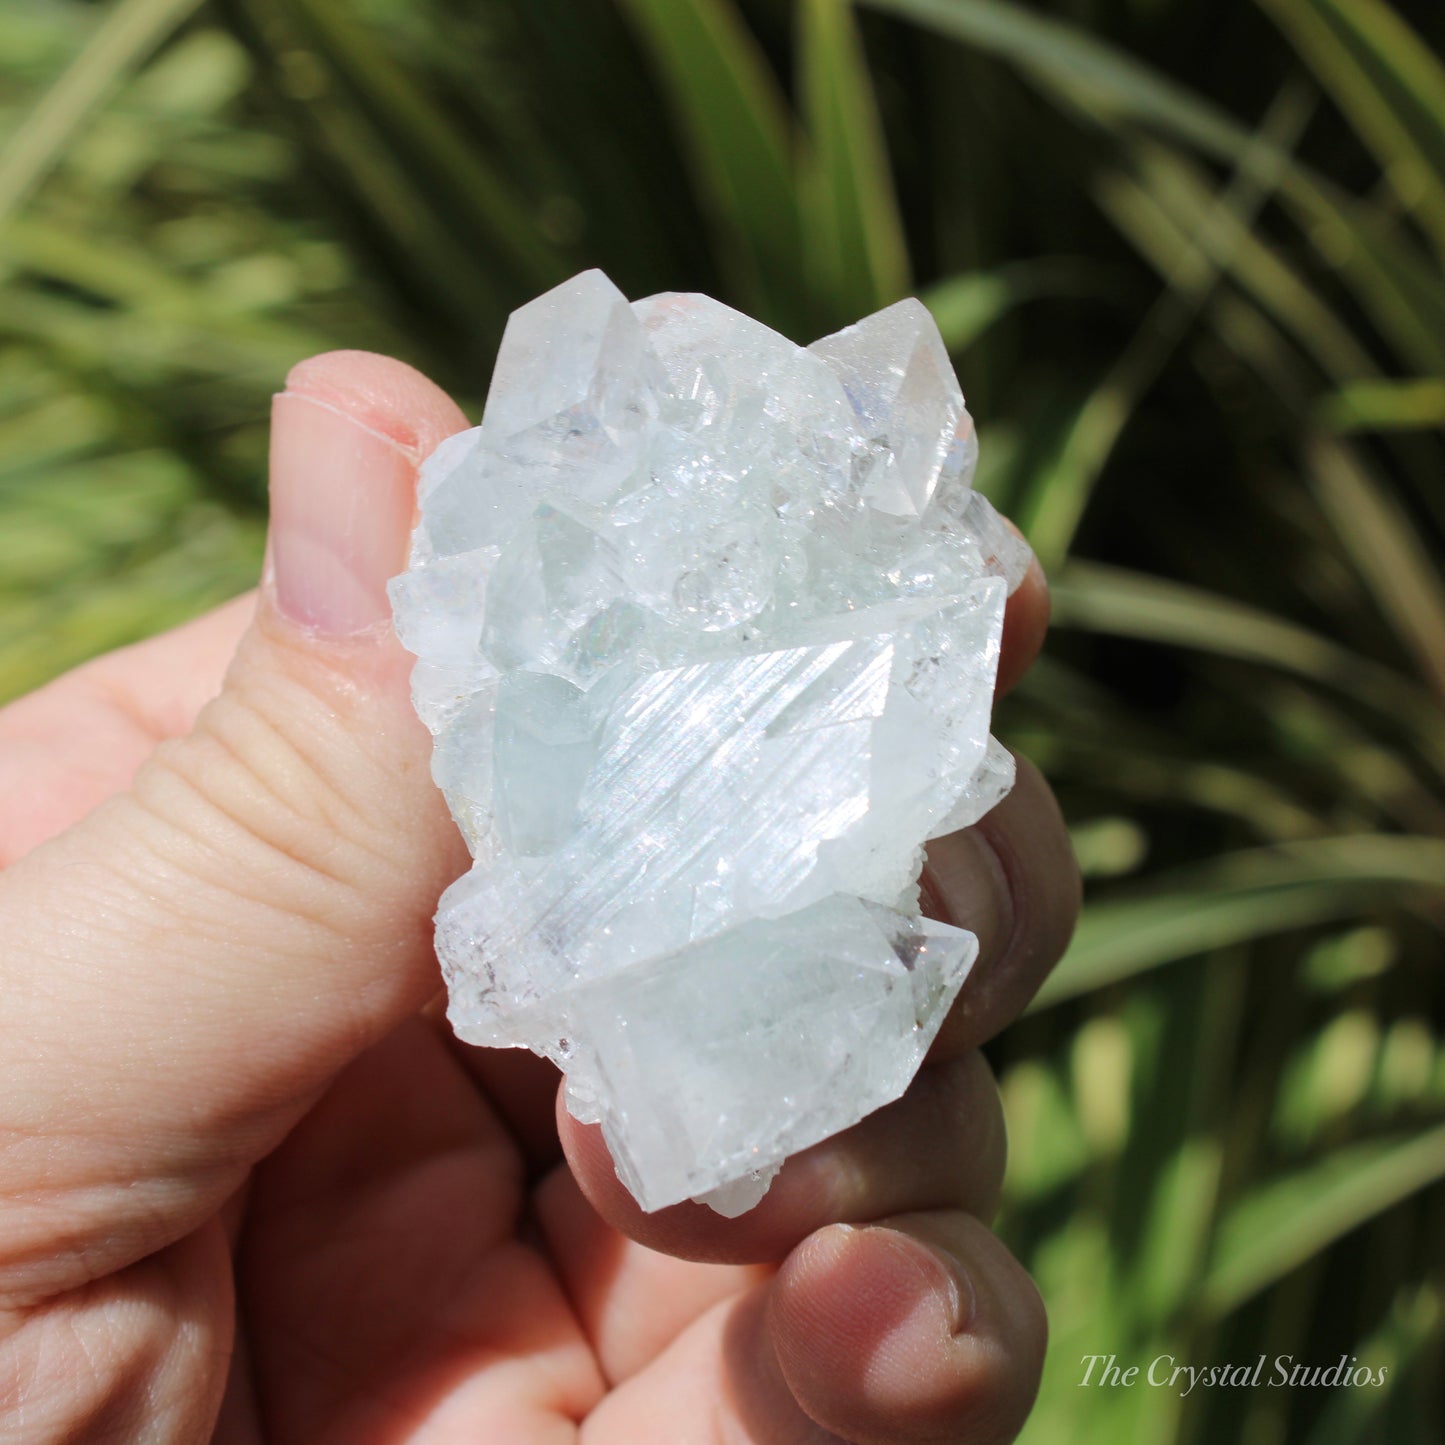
[940,1146]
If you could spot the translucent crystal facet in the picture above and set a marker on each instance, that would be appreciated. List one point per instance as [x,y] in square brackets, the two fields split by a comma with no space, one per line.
[707,625]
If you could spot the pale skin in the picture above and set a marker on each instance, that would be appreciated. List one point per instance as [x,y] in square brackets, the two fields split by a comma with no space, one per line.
[252,1190]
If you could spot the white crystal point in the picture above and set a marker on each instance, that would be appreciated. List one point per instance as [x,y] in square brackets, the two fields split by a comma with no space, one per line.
[840,998]
[707,626]
[564,355]
[907,399]
[739,1195]
[571,401]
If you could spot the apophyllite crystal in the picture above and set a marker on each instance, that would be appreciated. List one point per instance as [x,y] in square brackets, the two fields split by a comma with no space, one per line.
[707,627]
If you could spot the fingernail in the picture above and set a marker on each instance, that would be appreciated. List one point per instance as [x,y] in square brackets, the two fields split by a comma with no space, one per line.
[949,1289]
[964,883]
[341,508]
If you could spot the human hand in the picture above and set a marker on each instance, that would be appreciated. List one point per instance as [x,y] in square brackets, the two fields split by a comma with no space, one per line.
[246,1174]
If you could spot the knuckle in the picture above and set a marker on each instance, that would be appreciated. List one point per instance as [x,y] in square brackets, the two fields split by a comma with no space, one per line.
[275,800]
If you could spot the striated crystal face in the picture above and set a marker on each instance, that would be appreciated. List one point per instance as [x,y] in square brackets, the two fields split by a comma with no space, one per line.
[707,627]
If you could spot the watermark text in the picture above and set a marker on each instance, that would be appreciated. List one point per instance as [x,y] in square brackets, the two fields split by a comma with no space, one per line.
[1165,1372]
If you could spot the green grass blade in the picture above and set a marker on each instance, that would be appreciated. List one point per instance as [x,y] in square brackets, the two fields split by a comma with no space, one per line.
[146,299]
[966,305]
[1390,85]
[389,201]
[1405,294]
[739,131]
[853,233]
[1155,609]
[1122,603]
[1163,210]
[1278,1228]
[1408,1330]
[1070,61]
[1053,506]
[390,194]
[1104,85]
[1241,897]
[1379,536]
[129,33]
[431,146]
[1365,406]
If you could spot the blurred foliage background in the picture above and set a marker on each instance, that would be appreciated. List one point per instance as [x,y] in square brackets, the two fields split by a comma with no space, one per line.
[1188,257]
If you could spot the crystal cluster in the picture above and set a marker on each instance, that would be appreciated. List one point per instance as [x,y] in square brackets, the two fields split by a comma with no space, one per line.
[707,626]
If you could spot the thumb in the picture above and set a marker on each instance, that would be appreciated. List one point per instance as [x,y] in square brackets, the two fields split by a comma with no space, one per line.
[183,971]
